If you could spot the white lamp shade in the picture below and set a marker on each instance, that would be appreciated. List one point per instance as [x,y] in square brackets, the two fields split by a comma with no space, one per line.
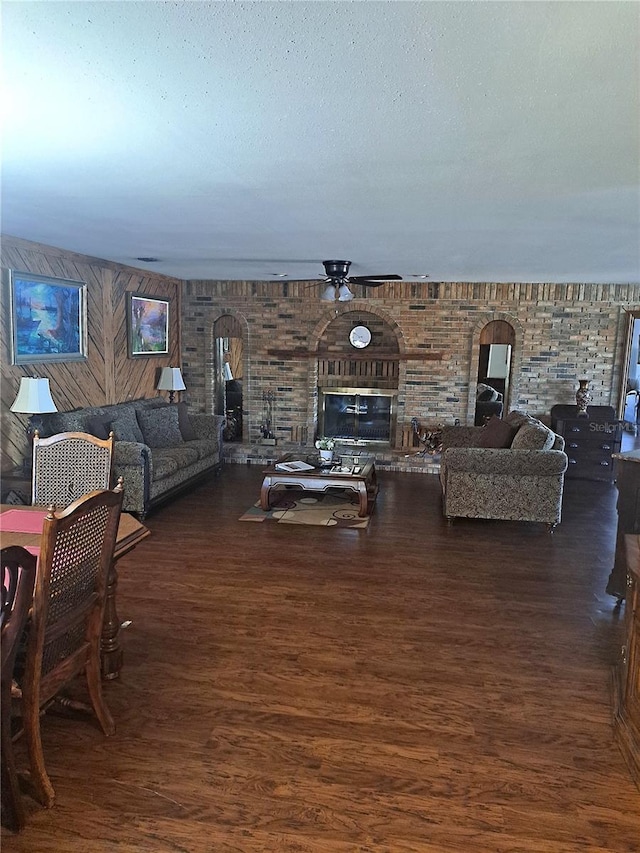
[344,294]
[171,380]
[34,397]
[329,294]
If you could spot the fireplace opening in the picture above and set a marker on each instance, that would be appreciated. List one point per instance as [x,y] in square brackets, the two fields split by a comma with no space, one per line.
[357,415]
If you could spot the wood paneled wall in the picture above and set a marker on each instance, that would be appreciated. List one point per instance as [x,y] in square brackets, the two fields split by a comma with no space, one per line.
[108,375]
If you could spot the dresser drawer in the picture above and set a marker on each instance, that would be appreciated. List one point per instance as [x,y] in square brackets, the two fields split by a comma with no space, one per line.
[579,443]
[605,434]
[590,466]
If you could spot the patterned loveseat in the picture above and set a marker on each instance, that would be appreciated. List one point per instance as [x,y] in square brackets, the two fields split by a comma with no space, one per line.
[159,450]
[512,469]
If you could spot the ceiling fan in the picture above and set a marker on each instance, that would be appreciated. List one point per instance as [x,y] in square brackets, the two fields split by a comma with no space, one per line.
[338,281]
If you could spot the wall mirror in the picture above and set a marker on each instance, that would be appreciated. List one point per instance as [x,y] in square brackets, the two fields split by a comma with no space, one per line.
[497,340]
[228,375]
[629,404]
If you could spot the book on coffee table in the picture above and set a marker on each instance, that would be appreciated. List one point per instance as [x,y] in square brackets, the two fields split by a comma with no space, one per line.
[293,467]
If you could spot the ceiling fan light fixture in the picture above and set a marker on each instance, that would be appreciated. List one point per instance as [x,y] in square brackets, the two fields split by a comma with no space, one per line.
[336,269]
[344,294]
[329,293]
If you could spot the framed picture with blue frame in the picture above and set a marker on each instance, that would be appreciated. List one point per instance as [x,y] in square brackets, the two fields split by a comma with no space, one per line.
[147,325]
[48,318]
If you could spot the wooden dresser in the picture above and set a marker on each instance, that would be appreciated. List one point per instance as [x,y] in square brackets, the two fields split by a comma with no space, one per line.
[590,441]
[626,673]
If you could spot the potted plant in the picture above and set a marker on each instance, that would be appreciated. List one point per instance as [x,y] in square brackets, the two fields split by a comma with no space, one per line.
[325,447]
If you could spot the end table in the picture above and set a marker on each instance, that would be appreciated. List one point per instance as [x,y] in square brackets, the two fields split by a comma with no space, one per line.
[18,482]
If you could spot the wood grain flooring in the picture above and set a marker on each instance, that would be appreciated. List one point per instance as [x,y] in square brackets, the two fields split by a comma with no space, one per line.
[408,687]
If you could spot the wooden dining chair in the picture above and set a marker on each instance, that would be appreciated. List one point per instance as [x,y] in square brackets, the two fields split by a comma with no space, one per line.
[18,579]
[68,465]
[63,640]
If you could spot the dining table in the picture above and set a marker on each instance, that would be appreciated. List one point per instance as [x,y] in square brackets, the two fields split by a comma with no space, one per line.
[23,526]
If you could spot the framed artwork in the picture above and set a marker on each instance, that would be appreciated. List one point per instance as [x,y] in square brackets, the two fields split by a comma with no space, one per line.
[147,325]
[48,318]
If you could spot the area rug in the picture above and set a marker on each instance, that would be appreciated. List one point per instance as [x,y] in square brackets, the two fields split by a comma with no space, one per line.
[320,509]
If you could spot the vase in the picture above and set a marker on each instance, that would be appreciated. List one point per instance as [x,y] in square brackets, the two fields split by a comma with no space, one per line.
[326,455]
[583,398]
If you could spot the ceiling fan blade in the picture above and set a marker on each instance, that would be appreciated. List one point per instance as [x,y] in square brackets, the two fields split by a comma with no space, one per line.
[365,279]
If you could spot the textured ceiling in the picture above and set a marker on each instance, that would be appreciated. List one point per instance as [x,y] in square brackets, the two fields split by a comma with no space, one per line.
[468,141]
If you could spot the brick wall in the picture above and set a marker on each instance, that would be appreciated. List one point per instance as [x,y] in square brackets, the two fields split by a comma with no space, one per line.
[562,332]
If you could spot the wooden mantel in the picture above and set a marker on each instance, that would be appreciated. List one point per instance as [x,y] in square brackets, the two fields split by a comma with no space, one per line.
[420,355]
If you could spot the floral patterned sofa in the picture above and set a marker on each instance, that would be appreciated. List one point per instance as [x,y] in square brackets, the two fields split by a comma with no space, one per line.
[511,469]
[159,449]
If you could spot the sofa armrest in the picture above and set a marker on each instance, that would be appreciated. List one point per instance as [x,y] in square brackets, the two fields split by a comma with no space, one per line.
[208,426]
[130,453]
[132,462]
[461,436]
[489,460]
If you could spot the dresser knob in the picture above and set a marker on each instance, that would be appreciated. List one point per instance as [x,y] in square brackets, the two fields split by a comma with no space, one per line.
[605,447]
[573,445]
[572,461]
[623,654]
[605,463]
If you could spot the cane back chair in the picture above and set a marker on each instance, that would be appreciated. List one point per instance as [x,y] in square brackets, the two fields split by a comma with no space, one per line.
[63,640]
[69,465]
[18,579]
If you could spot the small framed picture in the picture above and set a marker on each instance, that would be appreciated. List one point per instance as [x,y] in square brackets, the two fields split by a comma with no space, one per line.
[147,325]
[48,318]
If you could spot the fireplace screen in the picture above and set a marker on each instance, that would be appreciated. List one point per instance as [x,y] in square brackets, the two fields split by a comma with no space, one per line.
[356,415]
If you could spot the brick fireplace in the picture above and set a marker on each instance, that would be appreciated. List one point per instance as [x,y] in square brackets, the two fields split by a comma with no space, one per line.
[364,417]
[424,350]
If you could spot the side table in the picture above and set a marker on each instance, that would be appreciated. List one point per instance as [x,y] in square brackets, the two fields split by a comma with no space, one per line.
[15,487]
[628,506]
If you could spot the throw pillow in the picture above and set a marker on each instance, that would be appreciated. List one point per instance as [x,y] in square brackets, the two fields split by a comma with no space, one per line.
[516,418]
[99,426]
[497,433]
[160,427]
[533,435]
[125,425]
[186,427]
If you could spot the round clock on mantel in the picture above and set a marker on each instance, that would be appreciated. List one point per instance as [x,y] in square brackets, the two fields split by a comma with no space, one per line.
[360,337]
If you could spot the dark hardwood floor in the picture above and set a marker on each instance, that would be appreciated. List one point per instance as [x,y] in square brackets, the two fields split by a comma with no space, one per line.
[408,687]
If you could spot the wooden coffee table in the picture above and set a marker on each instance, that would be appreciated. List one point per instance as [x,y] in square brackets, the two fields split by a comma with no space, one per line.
[362,480]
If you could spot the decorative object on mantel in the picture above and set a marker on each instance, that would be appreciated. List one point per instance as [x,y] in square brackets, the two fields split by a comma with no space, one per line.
[171,380]
[33,398]
[583,398]
[266,427]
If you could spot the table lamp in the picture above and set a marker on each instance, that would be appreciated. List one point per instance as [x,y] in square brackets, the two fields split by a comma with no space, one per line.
[33,398]
[171,380]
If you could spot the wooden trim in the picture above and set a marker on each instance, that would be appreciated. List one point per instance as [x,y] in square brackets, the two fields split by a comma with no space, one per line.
[371,356]
[108,335]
